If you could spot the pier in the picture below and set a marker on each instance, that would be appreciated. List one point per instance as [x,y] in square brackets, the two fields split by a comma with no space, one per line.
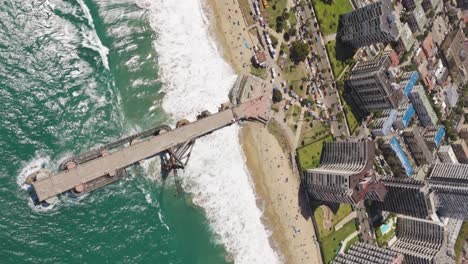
[100,167]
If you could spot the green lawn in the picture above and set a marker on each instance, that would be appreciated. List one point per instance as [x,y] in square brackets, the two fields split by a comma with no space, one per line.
[350,118]
[328,14]
[294,74]
[317,131]
[342,212]
[259,72]
[337,65]
[275,9]
[309,156]
[351,242]
[349,115]
[331,244]
[462,236]
[383,239]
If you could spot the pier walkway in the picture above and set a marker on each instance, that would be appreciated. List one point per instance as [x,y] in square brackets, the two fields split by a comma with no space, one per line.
[110,163]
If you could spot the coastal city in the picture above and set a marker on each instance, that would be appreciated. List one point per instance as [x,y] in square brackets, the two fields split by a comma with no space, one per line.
[370,113]
[235,131]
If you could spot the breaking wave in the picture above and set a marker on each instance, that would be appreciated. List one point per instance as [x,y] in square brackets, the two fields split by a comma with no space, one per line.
[196,78]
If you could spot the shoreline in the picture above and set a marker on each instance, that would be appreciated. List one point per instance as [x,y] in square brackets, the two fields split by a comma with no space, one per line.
[276,186]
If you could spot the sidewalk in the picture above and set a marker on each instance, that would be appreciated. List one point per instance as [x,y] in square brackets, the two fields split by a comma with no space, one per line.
[345,242]
[345,220]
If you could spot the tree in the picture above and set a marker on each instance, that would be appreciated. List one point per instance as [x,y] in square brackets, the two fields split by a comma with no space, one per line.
[292,31]
[280,24]
[299,51]
[277,96]
[286,36]
[274,41]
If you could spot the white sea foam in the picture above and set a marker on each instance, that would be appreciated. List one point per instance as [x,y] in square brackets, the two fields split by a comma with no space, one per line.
[39,161]
[196,78]
[91,39]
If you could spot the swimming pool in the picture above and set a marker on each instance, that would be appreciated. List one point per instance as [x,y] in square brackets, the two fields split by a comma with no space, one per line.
[385,228]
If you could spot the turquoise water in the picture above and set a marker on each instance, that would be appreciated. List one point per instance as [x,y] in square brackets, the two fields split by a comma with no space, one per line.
[69,81]
[385,228]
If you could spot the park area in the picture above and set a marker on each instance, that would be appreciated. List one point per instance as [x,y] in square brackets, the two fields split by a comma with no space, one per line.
[338,57]
[309,155]
[330,239]
[329,13]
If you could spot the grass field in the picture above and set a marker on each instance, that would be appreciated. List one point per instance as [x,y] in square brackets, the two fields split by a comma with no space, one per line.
[351,242]
[350,118]
[309,156]
[339,54]
[259,72]
[317,131]
[331,244]
[337,65]
[462,236]
[275,9]
[343,211]
[328,14]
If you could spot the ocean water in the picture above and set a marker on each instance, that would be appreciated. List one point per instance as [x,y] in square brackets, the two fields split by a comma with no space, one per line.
[75,74]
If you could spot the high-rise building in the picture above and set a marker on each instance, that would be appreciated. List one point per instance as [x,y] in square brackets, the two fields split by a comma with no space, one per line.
[428,5]
[345,174]
[451,95]
[453,52]
[417,19]
[407,197]
[419,240]
[395,156]
[417,145]
[424,110]
[371,85]
[461,151]
[382,126]
[434,135]
[406,40]
[450,184]
[446,155]
[462,4]
[361,253]
[405,113]
[371,24]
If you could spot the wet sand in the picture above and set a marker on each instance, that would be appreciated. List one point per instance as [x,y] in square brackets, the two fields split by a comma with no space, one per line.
[278,191]
[276,186]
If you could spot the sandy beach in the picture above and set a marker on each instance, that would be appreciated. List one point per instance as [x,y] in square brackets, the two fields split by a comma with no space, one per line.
[231,33]
[278,191]
[276,186]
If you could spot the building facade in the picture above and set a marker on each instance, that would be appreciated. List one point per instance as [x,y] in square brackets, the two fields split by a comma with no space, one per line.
[417,19]
[367,254]
[345,173]
[371,87]
[450,184]
[407,197]
[424,110]
[453,52]
[446,155]
[434,135]
[420,241]
[417,145]
[461,151]
[371,24]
